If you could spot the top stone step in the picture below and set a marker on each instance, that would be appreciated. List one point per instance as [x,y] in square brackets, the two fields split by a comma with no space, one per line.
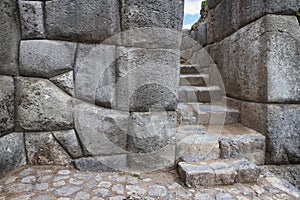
[193,69]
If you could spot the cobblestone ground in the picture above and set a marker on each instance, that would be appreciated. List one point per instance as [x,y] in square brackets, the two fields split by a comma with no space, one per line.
[45,183]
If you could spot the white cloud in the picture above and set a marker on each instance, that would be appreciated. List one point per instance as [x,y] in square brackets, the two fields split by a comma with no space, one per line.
[192,7]
[187,26]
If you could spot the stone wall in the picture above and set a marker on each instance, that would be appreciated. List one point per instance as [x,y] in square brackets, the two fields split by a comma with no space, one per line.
[78,78]
[255,45]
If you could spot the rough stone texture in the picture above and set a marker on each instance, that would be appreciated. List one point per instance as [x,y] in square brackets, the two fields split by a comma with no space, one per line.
[149,132]
[43,106]
[9,37]
[32,19]
[160,159]
[212,3]
[112,163]
[272,76]
[283,138]
[7,104]
[68,140]
[95,74]
[230,15]
[85,21]
[12,153]
[194,144]
[65,82]
[101,131]
[45,58]
[199,94]
[201,34]
[140,85]
[152,13]
[280,124]
[43,149]
[218,172]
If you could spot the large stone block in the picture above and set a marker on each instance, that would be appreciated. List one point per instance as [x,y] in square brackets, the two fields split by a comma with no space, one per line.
[9,37]
[152,131]
[269,74]
[112,163]
[280,124]
[230,15]
[7,104]
[82,20]
[43,149]
[45,58]
[212,3]
[42,106]
[65,82]
[283,139]
[12,153]
[101,131]
[95,74]
[147,79]
[32,19]
[153,13]
[156,160]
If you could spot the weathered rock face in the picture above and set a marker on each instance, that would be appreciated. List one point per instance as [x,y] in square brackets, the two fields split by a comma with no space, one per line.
[153,13]
[101,131]
[230,15]
[43,149]
[69,142]
[45,58]
[283,139]
[43,106]
[113,163]
[12,153]
[65,82]
[32,19]
[95,74]
[268,75]
[9,37]
[88,21]
[140,86]
[7,113]
[151,131]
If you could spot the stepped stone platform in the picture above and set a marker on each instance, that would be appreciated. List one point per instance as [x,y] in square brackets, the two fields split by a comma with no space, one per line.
[52,182]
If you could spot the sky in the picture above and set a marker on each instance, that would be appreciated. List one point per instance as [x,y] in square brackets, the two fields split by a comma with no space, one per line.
[191,12]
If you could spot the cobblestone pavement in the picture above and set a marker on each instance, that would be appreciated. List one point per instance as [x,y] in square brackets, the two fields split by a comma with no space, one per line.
[51,182]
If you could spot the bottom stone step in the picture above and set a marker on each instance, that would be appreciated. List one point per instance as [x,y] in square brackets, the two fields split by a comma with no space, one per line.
[218,172]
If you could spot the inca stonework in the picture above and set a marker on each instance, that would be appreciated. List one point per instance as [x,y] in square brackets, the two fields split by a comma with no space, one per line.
[97,85]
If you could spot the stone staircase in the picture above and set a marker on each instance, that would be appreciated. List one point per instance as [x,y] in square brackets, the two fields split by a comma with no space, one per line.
[211,146]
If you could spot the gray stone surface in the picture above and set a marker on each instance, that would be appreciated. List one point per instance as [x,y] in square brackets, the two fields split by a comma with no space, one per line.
[43,106]
[230,15]
[271,77]
[85,21]
[7,104]
[149,132]
[201,34]
[156,160]
[153,13]
[101,131]
[12,153]
[46,58]
[43,149]
[212,3]
[283,138]
[140,86]
[65,82]
[95,74]
[112,163]
[199,94]
[218,172]
[32,19]
[9,37]
[69,141]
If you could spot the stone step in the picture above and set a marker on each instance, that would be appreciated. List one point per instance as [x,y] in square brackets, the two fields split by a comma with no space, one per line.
[199,94]
[194,79]
[197,143]
[198,113]
[193,69]
[218,172]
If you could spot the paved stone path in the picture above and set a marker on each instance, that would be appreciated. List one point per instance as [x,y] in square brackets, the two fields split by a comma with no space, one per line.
[49,182]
